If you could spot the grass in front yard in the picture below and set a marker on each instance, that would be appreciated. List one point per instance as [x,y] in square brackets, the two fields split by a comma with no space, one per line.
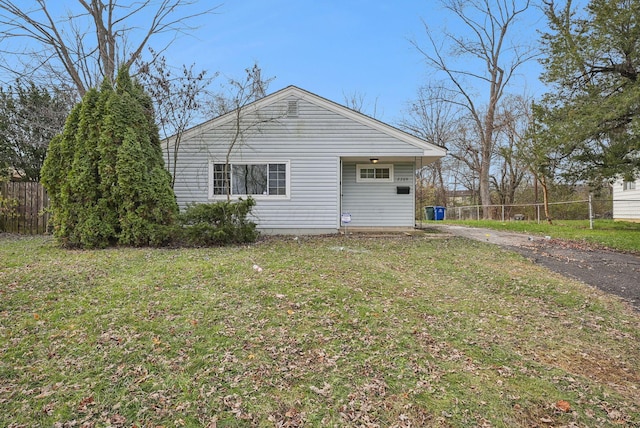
[401,331]
[618,235]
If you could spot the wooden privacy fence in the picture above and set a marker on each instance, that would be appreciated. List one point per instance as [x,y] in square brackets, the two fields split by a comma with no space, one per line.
[23,207]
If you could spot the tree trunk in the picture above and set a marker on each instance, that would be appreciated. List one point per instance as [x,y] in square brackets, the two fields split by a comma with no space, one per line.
[545,197]
[487,143]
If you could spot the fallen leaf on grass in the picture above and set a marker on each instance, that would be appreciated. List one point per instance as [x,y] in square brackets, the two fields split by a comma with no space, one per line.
[291,413]
[48,390]
[88,401]
[118,420]
[563,406]
[614,415]
[48,408]
[325,391]
[45,393]
[291,418]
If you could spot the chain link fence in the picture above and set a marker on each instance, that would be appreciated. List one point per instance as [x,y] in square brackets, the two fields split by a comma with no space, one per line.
[570,210]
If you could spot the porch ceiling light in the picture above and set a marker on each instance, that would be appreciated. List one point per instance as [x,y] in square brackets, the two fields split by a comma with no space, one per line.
[374,160]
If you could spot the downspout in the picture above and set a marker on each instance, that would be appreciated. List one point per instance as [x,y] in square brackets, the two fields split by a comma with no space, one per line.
[415,194]
[339,194]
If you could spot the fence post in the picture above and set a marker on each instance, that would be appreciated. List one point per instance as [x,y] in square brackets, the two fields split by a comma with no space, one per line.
[503,213]
[590,213]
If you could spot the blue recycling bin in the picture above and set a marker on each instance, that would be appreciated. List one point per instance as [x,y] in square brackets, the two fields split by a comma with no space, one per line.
[439,213]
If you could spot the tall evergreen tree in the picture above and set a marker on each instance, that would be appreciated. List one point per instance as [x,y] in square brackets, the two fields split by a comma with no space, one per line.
[106,174]
[593,61]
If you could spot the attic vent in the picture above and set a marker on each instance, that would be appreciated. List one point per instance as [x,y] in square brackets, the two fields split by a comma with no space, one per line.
[292,108]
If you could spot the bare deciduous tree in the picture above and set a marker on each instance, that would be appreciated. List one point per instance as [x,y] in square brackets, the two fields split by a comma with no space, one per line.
[466,149]
[178,96]
[432,118]
[490,61]
[514,117]
[237,96]
[86,41]
[358,101]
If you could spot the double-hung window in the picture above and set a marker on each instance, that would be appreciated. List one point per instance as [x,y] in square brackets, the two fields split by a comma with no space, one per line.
[628,185]
[249,179]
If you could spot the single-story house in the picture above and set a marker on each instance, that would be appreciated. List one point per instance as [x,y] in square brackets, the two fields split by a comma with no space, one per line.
[626,200]
[312,165]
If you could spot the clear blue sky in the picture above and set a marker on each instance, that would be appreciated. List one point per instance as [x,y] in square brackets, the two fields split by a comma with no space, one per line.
[333,48]
[329,47]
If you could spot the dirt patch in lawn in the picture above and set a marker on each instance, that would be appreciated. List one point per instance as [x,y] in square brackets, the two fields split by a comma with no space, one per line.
[613,272]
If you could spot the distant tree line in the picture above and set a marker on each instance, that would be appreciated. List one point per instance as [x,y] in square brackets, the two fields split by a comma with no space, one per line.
[513,148]
[30,116]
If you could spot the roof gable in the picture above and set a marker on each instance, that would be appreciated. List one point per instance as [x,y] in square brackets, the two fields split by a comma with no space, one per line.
[293,91]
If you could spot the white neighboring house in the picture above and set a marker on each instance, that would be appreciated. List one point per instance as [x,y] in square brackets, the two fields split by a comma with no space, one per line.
[306,161]
[626,200]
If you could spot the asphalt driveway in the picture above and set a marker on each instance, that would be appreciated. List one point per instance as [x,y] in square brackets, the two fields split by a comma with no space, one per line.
[611,271]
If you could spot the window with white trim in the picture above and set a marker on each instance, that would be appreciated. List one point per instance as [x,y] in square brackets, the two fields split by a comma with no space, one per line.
[250,179]
[628,185]
[374,173]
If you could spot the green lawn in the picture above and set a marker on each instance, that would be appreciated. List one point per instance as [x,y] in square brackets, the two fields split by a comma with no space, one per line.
[619,235]
[363,331]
